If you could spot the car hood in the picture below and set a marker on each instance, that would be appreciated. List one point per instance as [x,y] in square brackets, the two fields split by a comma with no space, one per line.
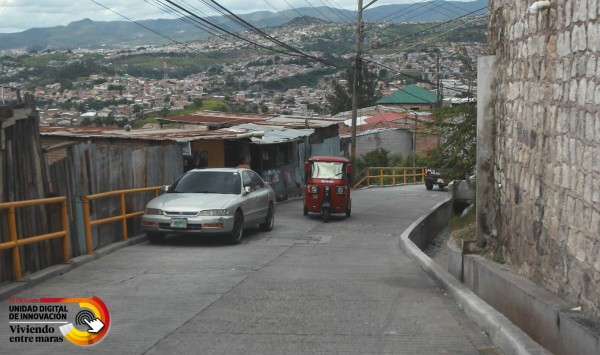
[191,201]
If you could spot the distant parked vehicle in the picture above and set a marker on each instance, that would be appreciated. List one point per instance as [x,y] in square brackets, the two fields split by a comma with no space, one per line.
[211,201]
[435,177]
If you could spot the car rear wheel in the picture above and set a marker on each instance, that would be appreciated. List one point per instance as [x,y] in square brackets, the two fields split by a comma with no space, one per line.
[235,237]
[429,185]
[267,226]
[154,238]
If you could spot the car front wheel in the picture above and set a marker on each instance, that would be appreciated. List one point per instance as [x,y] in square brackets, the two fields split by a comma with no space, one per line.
[235,237]
[154,238]
[267,226]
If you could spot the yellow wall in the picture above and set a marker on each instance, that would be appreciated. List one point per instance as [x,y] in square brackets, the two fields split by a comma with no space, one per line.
[215,149]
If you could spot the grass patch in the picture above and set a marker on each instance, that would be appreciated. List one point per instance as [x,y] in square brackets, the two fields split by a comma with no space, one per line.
[498,257]
[463,227]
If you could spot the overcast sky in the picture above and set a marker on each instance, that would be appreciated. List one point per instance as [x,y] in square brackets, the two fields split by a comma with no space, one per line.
[19,15]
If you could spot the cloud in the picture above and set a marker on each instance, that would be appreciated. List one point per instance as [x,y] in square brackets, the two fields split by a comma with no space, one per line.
[19,15]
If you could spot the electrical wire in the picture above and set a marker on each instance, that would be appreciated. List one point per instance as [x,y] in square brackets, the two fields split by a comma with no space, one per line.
[433,27]
[279,12]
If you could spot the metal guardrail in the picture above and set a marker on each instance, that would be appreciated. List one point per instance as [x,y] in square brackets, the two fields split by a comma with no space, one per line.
[384,176]
[15,243]
[123,216]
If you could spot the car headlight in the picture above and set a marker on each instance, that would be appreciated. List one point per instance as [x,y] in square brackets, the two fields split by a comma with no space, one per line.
[340,190]
[215,213]
[154,211]
[313,189]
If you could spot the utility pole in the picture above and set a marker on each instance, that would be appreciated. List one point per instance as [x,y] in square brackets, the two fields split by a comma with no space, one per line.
[357,65]
[439,93]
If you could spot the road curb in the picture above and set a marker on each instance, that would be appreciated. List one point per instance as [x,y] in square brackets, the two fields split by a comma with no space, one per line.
[502,332]
[38,277]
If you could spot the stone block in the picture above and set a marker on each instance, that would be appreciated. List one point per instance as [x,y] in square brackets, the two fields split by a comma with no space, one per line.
[589,127]
[592,9]
[588,189]
[596,191]
[580,11]
[557,172]
[580,183]
[573,90]
[590,70]
[565,177]
[592,36]
[590,92]
[582,91]
[574,177]
[597,128]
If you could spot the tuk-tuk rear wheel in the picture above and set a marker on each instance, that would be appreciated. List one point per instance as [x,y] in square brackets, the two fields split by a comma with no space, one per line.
[326,214]
[305,211]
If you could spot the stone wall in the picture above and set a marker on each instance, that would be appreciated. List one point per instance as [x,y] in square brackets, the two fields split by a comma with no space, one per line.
[547,144]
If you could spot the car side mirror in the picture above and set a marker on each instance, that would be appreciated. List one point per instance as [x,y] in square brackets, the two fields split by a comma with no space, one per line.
[165,188]
[247,190]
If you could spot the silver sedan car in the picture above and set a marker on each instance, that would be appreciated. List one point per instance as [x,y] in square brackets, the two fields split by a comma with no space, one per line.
[208,201]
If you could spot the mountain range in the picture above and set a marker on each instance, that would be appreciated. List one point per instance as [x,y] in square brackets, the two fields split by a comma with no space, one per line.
[120,34]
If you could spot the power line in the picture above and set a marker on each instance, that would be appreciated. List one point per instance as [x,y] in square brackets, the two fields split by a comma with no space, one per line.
[290,5]
[414,77]
[180,16]
[279,12]
[269,37]
[433,27]
[227,31]
[317,10]
[137,23]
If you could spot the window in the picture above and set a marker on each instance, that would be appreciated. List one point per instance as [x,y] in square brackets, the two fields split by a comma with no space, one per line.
[327,170]
[210,182]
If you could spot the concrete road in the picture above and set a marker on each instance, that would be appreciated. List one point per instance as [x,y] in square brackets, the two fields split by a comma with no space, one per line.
[307,287]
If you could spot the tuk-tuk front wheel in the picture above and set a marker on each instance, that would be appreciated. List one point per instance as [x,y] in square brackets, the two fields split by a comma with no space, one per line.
[348,211]
[326,214]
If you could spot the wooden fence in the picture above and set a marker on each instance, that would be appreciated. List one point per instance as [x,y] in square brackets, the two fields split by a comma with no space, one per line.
[86,170]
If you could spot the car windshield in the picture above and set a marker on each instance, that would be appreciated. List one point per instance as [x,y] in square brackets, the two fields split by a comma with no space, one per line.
[327,170]
[209,182]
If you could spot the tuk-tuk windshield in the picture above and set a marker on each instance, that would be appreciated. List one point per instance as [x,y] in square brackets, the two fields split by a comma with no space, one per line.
[327,170]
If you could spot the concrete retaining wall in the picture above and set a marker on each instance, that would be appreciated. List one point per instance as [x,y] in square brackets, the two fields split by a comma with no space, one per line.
[543,316]
[503,333]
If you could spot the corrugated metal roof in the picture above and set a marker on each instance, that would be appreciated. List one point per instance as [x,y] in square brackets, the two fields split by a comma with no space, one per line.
[212,118]
[411,94]
[175,135]
[274,134]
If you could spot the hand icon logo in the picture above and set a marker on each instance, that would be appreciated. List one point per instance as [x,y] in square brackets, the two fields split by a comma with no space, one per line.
[95,326]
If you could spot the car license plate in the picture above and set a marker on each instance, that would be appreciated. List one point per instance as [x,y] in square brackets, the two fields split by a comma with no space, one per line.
[178,222]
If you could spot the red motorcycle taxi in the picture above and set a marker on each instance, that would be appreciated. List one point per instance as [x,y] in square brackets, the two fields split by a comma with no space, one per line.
[327,189]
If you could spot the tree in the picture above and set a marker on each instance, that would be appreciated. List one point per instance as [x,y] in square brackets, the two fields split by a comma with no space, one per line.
[367,91]
[457,128]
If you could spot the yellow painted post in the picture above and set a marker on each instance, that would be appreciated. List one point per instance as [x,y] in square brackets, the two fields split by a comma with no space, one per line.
[16,254]
[394,176]
[405,175]
[86,222]
[65,228]
[380,177]
[124,213]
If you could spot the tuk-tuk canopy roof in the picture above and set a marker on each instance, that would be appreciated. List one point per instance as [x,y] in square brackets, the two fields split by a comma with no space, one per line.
[331,159]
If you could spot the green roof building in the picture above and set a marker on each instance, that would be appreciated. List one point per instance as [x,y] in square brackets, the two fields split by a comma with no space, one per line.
[411,97]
